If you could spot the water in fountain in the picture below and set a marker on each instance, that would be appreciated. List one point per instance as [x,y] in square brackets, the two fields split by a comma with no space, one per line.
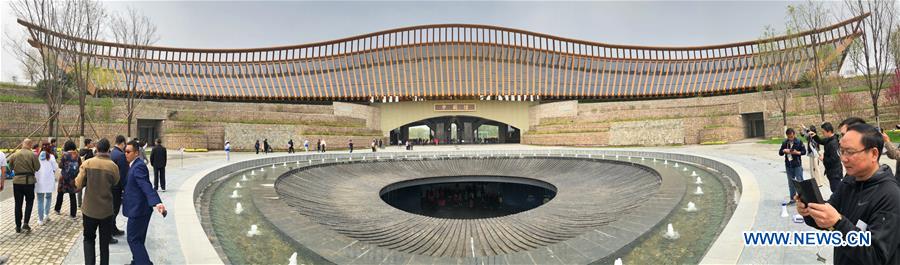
[665,162]
[237,185]
[676,164]
[298,162]
[618,261]
[254,231]
[293,259]
[244,178]
[238,208]
[235,195]
[285,164]
[691,207]
[693,173]
[273,165]
[670,232]
[699,191]
[684,169]
[262,169]
[253,173]
[699,181]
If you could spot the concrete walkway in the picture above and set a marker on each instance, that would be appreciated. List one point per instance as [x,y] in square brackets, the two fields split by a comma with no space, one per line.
[165,247]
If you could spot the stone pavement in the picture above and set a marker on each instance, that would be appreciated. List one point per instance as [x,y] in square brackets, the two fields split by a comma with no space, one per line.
[46,244]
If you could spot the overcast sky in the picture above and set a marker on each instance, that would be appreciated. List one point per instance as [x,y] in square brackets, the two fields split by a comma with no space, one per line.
[232,24]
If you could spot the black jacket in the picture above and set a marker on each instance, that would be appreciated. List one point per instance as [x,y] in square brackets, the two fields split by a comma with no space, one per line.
[158,156]
[832,159]
[798,146]
[877,203]
[86,153]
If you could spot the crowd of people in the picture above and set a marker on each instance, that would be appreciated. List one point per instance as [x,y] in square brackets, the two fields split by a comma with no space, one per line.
[321,146]
[865,193]
[100,179]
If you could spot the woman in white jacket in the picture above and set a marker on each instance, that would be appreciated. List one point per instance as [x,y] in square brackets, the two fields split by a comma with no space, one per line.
[46,183]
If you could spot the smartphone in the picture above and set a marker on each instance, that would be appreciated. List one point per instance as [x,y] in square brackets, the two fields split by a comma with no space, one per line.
[808,191]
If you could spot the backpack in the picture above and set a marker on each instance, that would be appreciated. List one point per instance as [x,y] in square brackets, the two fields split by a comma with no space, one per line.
[70,167]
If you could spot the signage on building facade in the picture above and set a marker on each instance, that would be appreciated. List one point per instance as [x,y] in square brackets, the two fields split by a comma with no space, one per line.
[454,107]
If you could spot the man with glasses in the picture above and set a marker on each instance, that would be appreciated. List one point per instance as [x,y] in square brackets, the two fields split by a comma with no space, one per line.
[867,200]
[890,149]
[792,150]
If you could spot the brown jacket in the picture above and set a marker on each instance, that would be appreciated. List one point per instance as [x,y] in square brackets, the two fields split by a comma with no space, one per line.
[24,162]
[98,174]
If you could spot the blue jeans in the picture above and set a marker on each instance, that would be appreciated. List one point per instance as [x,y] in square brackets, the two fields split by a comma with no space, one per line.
[43,205]
[793,173]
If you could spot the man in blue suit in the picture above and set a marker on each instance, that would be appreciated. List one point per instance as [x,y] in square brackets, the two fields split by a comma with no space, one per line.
[117,154]
[138,201]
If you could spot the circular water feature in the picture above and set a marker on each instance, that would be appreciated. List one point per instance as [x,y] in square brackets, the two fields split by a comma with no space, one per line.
[380,212]
[468,197]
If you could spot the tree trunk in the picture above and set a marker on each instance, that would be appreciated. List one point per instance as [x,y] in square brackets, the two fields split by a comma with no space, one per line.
[784,117]
[130,116]
[81,102]
[877,116]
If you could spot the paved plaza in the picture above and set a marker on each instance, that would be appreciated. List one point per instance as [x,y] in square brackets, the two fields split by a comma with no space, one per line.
[60,240]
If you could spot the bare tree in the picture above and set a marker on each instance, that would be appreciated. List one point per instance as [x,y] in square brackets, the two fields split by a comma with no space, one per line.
[85,22]
[42,66]
[775,61]
[136,31]
[811,15]
[873,56]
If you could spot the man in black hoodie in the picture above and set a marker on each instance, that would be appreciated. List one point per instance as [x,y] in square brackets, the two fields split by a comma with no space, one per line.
[867,200]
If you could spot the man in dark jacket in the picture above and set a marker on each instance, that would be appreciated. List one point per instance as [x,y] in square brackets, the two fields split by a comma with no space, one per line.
[834,171]
[100,174]
[158,161]
[118,156]
[24,163]
[139,200]
[86,152]
[291,146]
[792,149]
[868,200]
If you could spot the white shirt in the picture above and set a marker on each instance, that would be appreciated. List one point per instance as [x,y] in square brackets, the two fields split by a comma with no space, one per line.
[46,176]
[228,147]
[3,160]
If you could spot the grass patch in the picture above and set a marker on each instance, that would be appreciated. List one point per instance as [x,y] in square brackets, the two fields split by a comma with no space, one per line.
[893,134]
[20,99]
[713,143]
[185,131]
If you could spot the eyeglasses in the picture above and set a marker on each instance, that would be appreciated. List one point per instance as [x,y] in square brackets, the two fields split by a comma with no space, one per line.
[847,153]
[128,152]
